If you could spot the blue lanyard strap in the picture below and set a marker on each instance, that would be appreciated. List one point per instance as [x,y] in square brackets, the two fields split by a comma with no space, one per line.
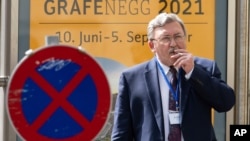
[174,93]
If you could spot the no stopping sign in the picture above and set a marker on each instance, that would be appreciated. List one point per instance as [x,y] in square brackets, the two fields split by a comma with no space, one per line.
[58,93]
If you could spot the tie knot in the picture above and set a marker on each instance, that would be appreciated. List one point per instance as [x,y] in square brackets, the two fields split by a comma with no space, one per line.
[173,70]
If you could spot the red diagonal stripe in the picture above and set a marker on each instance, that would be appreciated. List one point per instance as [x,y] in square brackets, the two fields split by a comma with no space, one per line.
[59,99]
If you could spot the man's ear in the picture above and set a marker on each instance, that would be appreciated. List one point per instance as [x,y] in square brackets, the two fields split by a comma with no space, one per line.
[151,45]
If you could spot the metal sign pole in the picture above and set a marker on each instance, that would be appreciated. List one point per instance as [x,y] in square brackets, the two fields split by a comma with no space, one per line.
[4,65]
[51,40]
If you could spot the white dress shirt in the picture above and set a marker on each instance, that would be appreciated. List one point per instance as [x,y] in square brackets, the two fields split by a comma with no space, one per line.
[164,89]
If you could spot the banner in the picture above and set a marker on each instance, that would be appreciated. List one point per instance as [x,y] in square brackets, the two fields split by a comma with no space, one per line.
[116,29]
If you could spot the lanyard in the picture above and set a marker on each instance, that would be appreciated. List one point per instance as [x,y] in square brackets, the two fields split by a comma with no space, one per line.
[174,93]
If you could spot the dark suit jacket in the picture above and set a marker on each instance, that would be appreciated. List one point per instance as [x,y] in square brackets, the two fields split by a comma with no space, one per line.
[138,111]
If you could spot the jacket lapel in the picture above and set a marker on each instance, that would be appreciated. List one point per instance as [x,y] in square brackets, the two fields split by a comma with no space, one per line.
[184,90]
[151,80]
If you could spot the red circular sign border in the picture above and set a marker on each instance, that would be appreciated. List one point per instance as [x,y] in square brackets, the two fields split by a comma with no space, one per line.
[29,62]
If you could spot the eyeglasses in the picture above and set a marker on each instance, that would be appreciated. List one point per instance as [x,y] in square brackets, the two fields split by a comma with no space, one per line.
[168,39]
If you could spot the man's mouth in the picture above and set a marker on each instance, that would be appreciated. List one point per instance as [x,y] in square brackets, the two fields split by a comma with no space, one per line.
[171,51]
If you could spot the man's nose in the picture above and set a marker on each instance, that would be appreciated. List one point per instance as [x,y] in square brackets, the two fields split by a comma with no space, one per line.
[172,42]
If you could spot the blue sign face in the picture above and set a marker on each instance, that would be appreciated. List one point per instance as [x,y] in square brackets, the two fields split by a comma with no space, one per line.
[58,74]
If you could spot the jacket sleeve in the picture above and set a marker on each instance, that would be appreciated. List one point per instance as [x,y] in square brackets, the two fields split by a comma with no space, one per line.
[207,83]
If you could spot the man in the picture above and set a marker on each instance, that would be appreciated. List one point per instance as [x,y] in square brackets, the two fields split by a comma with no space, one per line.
[142,110]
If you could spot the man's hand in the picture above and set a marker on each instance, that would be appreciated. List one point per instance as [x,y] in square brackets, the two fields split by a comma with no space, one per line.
[184,59]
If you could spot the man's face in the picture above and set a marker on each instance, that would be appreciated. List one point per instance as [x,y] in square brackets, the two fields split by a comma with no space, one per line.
[166,40]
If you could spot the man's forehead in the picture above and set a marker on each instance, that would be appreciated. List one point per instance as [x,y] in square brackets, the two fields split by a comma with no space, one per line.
[168,31]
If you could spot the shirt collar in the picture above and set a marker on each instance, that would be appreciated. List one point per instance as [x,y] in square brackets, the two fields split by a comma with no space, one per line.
[164,67]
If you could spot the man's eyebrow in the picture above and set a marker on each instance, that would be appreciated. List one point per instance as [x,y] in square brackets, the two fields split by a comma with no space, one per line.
[171,35]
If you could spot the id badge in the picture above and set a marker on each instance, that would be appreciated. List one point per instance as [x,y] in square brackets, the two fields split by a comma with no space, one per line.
[174,117]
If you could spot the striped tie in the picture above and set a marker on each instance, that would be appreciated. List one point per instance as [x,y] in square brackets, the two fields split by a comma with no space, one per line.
[174,129]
